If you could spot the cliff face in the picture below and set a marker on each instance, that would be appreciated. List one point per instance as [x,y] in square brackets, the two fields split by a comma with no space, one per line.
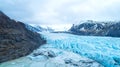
[97,29]
[16,40]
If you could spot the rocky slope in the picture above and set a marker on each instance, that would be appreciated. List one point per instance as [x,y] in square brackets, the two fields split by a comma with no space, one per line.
[97,28]
[16,40]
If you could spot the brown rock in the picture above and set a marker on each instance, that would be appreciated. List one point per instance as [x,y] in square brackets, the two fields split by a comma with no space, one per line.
[16,40]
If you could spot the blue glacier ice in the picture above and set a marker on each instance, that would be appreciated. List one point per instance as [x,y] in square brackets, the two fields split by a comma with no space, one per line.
[105,50]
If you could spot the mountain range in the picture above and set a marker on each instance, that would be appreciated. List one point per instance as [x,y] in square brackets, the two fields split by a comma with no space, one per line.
[94,28]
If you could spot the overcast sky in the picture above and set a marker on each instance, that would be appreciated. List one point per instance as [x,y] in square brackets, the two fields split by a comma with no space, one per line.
[58,12]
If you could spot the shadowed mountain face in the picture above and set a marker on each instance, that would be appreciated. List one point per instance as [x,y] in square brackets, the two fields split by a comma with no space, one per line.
[97,29]
[16,40]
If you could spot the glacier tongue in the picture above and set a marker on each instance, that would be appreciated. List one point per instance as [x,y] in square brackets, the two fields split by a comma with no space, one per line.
[105,50]
[63,58]
[42,58]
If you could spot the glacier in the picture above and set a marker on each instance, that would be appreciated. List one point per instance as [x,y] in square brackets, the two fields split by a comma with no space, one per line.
[103,50]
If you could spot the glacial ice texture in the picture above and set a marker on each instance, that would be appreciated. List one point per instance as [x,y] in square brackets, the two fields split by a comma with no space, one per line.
[105,50]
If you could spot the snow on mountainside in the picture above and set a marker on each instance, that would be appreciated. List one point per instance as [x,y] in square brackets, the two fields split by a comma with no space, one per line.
[95,28]
[36,28]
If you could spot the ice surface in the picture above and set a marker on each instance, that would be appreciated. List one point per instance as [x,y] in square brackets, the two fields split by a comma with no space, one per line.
[56,61]
[101,49]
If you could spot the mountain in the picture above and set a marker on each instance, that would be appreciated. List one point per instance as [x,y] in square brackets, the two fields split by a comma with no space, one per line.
[16,40]
[95,28]
[36,28]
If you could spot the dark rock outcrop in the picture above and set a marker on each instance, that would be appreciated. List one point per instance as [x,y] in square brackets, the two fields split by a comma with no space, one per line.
[49,53]
[93,28]
[16,40]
